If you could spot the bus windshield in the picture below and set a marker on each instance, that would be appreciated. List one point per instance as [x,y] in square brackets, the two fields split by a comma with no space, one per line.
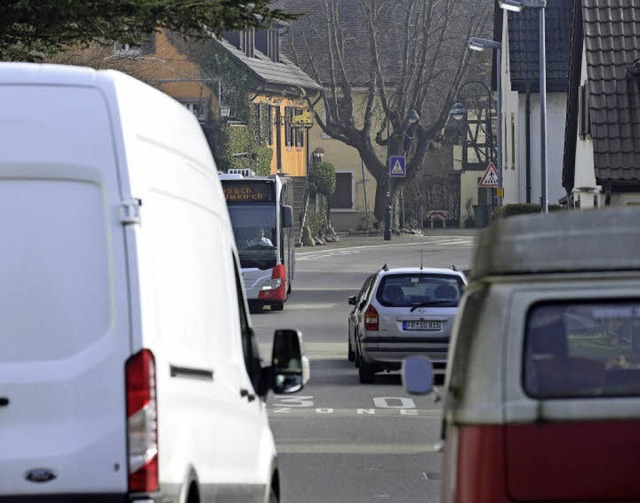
[254,227]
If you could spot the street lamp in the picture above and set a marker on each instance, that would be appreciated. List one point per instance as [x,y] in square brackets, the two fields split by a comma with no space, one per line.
[480,44]
[412,117]
[459,112]
[517,6]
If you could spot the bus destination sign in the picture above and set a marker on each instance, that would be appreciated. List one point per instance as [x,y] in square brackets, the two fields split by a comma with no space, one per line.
[249,192]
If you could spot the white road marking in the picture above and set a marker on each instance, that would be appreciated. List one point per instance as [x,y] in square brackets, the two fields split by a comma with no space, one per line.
[312,448]
[316,350]
[313,305]
[463,241]
[276,413]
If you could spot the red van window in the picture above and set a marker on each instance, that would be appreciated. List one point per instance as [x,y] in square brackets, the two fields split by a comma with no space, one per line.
[582,349]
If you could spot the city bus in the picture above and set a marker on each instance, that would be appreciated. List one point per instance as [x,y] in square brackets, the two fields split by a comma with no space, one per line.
[262,219]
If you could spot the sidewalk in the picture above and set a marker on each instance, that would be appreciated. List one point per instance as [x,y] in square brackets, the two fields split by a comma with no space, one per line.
[347,239]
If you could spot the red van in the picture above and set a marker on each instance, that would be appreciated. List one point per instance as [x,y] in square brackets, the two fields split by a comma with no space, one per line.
[542,393]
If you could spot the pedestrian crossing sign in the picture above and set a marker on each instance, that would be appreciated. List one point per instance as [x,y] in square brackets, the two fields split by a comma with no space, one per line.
[490,177]
[397,165]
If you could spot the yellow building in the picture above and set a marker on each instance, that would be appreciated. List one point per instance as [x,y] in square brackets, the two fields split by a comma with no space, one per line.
[279,90]
[274,84]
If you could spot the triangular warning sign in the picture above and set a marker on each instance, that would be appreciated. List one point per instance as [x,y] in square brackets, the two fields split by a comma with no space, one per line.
[397,169]
[490,177]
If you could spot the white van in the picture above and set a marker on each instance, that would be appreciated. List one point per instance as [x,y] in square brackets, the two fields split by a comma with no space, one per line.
[129,370]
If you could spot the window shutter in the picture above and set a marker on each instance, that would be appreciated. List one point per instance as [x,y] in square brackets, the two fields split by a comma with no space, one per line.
[342,198]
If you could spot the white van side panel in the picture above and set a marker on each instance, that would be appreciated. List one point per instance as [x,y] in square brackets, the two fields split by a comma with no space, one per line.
[63,300]
[190,314]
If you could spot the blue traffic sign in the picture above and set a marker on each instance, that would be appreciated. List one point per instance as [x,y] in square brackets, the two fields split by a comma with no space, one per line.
[397,165]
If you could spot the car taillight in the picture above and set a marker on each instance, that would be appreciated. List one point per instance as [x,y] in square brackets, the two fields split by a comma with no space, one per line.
[371,318]
[142,422]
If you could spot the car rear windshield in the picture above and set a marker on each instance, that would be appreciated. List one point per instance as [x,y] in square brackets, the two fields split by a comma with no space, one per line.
[419,290]
[583,349]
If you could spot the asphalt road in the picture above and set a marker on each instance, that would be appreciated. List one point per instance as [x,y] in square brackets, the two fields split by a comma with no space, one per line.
[340,441]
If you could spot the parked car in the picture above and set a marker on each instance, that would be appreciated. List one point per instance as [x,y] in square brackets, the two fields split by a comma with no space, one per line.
[357,301]
[129,369]
[406,311]
[542,392]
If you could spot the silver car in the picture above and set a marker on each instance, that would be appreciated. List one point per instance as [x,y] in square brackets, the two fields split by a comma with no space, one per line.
[357,301]
[407,311]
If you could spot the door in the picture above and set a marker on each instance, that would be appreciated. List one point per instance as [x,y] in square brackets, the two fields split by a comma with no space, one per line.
[63,301]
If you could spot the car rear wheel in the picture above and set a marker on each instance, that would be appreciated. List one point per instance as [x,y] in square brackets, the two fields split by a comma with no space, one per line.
[351,355]
[366,372]
[277,306]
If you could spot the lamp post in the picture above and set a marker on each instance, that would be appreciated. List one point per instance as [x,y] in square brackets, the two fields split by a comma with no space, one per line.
[518,6]
[480,44]
[411,117]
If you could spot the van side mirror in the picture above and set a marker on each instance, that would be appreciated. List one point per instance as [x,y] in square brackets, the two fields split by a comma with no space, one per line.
[352,300]
[290,367]
[287,216]
[417,375]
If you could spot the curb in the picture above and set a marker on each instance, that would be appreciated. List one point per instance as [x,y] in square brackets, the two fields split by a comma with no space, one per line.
[349,240]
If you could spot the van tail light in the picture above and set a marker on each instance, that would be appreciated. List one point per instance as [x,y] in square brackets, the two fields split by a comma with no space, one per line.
[371,319]
[142,422]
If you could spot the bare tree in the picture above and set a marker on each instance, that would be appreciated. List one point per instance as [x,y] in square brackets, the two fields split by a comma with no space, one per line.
[381,59]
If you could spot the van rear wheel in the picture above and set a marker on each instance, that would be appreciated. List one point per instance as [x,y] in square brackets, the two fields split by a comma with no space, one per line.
[366,372]
[255,306]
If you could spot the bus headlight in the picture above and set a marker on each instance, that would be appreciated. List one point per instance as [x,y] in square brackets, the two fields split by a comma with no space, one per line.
[271,284]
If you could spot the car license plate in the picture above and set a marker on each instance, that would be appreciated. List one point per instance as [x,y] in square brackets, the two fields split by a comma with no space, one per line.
[422,325]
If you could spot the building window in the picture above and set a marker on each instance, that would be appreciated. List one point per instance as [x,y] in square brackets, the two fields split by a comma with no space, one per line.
[248,42]
[197,108]
[584,112]
[288,129]
[269,123]
[233,37]
[244,41]
[299,132]
[268,43]
[342,198]
[127,50]
[263,123]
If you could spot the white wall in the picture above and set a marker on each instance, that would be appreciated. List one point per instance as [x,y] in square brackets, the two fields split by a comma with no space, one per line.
[556,114]
[585,176]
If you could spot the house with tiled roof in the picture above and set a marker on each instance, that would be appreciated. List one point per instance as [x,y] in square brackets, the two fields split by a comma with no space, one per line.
[278,89]
[252,69]
[602,140]
[519,33]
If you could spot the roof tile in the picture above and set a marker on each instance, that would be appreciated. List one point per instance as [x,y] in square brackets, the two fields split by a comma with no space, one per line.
[611,32]
[284,73]
[524,42]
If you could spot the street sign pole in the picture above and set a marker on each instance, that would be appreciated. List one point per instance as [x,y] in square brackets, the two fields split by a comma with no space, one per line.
[397,169]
